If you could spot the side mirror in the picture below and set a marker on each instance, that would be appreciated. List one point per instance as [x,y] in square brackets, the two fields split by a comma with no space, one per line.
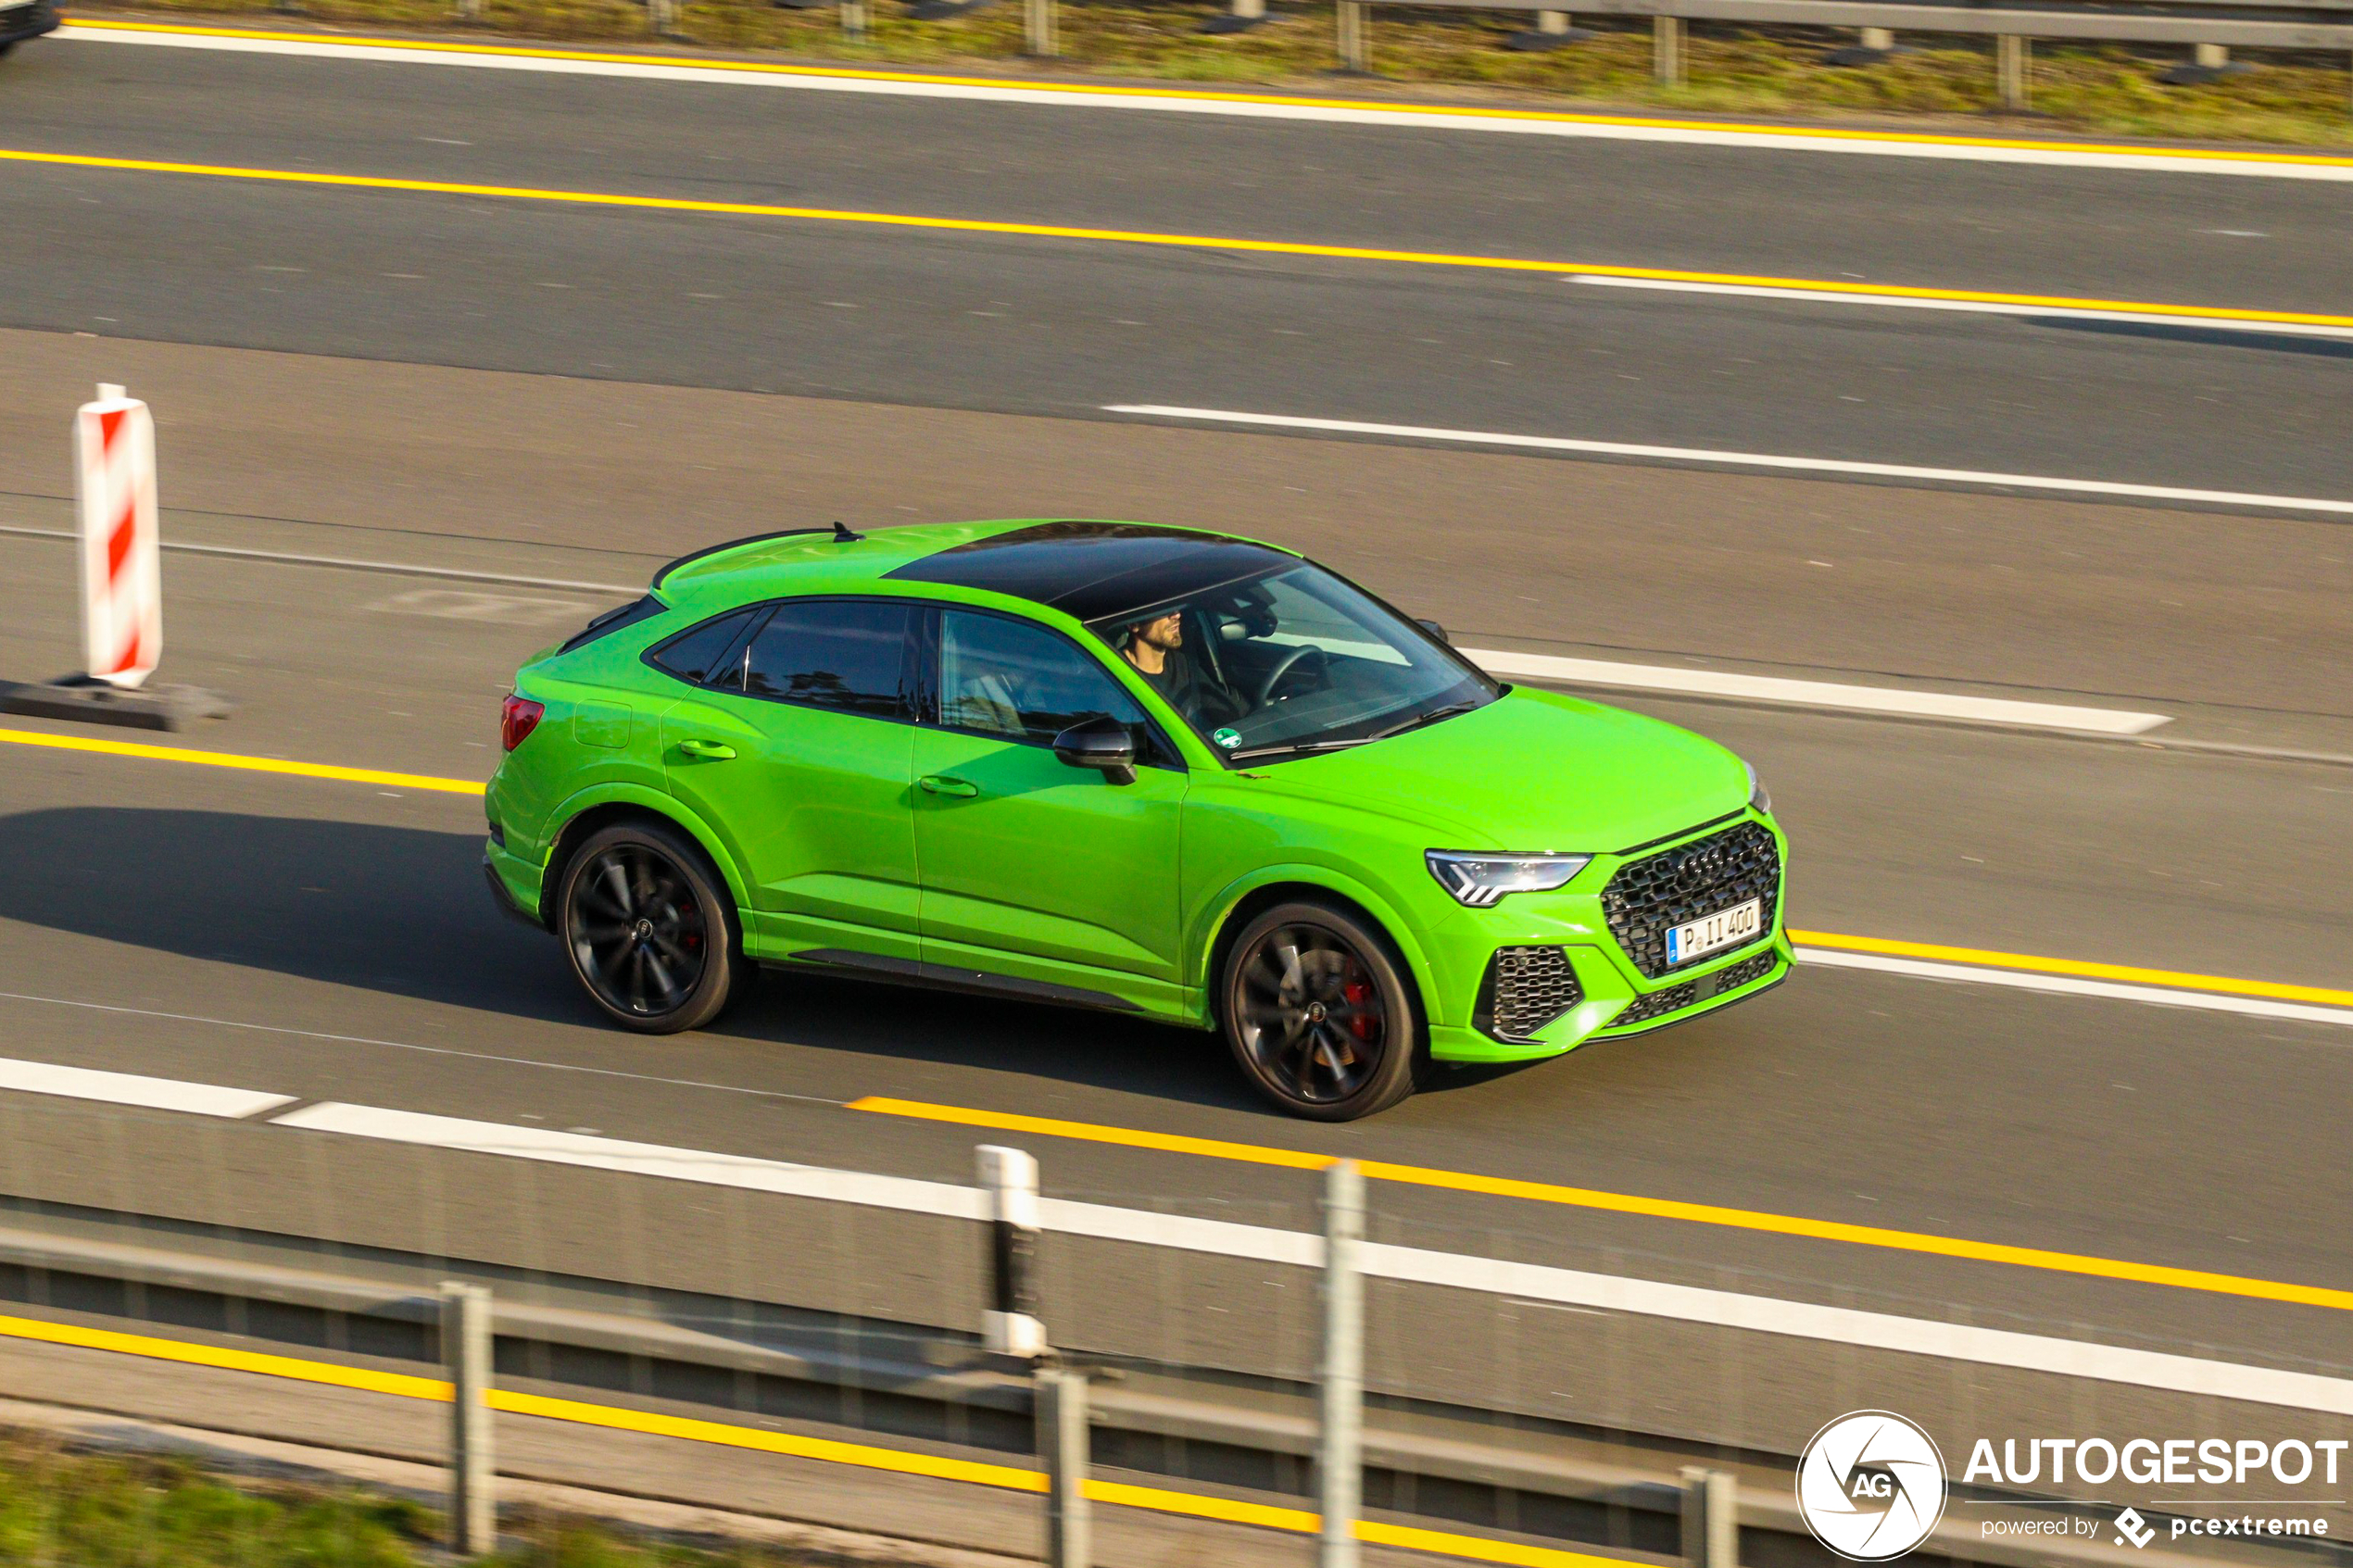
[1102,744]
[1435,629]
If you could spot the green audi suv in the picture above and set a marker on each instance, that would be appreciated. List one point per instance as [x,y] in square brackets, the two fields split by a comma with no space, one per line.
[1153,770]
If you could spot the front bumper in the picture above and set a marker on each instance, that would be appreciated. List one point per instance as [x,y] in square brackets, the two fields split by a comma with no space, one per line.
[1609,967]
[21,22]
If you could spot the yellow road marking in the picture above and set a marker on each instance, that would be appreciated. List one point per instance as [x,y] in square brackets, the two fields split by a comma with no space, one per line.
[2177,978]
[239,761]
[863,1456]
[1085,90]
[1159,238]
[1626,1203]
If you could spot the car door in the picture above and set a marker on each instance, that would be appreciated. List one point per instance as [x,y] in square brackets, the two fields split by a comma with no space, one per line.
[1031,868]
[795,749]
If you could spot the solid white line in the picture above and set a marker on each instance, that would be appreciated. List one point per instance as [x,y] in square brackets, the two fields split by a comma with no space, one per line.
[131,1088]
[2063,985]
[1741,459]
[1244,108]
[1726,1309]
[1979,308]
[1815,693]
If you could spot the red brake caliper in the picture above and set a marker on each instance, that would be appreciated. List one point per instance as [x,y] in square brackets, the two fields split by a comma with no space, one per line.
[1360,1023]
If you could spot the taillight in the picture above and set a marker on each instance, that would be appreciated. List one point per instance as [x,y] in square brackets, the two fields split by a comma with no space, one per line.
[517,717]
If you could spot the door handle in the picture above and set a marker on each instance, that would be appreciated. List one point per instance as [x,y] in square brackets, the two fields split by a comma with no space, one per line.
[709,750]
[940,784]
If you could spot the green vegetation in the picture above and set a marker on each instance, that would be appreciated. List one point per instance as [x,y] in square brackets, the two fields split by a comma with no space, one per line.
[2110,89]
[64,1510]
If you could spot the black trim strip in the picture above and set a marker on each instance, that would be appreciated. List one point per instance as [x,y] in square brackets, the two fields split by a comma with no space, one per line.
[1686,833]
[952,977]
[1698,1009]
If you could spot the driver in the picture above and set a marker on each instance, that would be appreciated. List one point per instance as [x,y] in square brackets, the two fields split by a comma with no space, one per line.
[1156,647]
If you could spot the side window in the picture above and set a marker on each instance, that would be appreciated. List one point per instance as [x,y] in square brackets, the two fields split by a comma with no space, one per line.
[843,654]
[1001,677]
[711,654]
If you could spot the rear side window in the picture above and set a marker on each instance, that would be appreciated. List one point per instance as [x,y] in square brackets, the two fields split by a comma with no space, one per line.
[613,621]
[849,655]
[711,654]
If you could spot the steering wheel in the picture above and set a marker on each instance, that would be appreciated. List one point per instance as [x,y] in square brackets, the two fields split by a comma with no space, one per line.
[1283,667]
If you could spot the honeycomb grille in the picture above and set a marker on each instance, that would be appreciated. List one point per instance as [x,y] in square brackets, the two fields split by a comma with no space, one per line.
[1650,896]
[1525,989]
[1675,999]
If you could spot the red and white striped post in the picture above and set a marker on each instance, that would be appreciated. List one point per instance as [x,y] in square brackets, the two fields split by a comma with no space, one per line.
[114,472]
[114,494]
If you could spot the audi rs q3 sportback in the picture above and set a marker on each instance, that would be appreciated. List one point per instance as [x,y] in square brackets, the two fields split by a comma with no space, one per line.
[1150,771]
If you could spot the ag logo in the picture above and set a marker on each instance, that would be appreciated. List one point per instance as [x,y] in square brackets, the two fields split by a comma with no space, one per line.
[1870,1486]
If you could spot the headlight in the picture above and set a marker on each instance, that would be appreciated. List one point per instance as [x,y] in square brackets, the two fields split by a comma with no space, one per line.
[1759,798]
[1480,879]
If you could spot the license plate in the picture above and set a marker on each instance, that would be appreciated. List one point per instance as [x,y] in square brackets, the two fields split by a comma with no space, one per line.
[1723,929]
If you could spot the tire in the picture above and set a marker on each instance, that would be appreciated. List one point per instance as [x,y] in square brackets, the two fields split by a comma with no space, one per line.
[1319,1014]
[649,929]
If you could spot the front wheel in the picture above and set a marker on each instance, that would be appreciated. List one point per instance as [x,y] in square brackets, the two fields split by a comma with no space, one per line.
[649,929]
[1319,1014]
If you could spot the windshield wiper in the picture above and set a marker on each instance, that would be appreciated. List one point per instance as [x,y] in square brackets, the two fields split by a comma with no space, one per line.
[1432,717]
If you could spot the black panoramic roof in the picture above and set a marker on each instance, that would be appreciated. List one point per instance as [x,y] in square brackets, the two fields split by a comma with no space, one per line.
[1094,571]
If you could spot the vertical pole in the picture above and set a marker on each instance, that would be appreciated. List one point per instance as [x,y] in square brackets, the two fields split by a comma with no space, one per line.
[1552,21]
[1711,1519]
[1010,1324]
[465,1351]
[1038,29]
[2209,57]
[1879,39]
[1339,1472]
[2011,58]
[1355,46]
[1249,10]
[853,19]
[1667,50]
[1063,1449]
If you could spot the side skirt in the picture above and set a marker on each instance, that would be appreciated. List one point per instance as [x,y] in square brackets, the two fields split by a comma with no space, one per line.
[950,977]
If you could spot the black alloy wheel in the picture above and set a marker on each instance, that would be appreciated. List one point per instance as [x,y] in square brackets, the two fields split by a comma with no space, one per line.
[648,928]
[1320,1014]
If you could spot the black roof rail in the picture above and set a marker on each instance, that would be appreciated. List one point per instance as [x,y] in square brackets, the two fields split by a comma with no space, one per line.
[692,556]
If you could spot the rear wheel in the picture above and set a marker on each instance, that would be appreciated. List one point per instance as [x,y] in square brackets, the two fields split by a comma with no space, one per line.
[1319,1014]
[650,928]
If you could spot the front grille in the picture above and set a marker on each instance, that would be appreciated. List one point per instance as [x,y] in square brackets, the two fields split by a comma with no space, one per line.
[1648,898]
[1675,999]
[1525,989]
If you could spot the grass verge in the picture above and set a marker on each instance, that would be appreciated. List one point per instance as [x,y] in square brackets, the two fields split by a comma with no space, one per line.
[2107,89]
[62,1509]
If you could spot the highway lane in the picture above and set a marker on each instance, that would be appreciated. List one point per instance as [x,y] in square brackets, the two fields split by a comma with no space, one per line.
[2153,1134]
[1062,327]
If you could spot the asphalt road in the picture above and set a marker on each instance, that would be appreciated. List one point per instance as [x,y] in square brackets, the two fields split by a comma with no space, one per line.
[332,940]
[1062,327]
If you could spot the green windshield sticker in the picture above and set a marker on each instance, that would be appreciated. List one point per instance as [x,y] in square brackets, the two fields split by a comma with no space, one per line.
[1228,738]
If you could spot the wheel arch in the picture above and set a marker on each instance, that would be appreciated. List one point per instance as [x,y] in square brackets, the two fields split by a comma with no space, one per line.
[1271,885]
[593,809]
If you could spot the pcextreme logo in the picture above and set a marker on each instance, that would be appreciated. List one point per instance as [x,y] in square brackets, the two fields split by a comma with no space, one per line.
[1870,1486]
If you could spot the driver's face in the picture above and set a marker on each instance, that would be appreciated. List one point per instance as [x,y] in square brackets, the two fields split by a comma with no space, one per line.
[1168,632]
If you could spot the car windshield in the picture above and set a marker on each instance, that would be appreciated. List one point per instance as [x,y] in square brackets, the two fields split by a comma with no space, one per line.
[1292,661]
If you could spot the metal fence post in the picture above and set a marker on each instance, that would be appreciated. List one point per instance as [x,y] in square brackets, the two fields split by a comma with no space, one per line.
[1038,29]
[1339,1448]
[1062,1448]
[1010,1324]
[1711,1519]
[1355,44]
[1241,17]
[1667,50]
[2012,55]
[465,1350]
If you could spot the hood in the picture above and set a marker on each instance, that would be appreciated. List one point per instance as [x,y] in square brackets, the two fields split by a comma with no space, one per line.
[1532,772]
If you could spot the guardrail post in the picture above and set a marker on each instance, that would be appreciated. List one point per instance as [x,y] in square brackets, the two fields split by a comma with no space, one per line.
[853,19]
[1355,41]
[1010,1324]
[1553,29]
[1241,17]
[465,1351]
[1038,29]
[1340,1473]
[1062,1448]
[1711,1519]
[2013,53]
[1667,50]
